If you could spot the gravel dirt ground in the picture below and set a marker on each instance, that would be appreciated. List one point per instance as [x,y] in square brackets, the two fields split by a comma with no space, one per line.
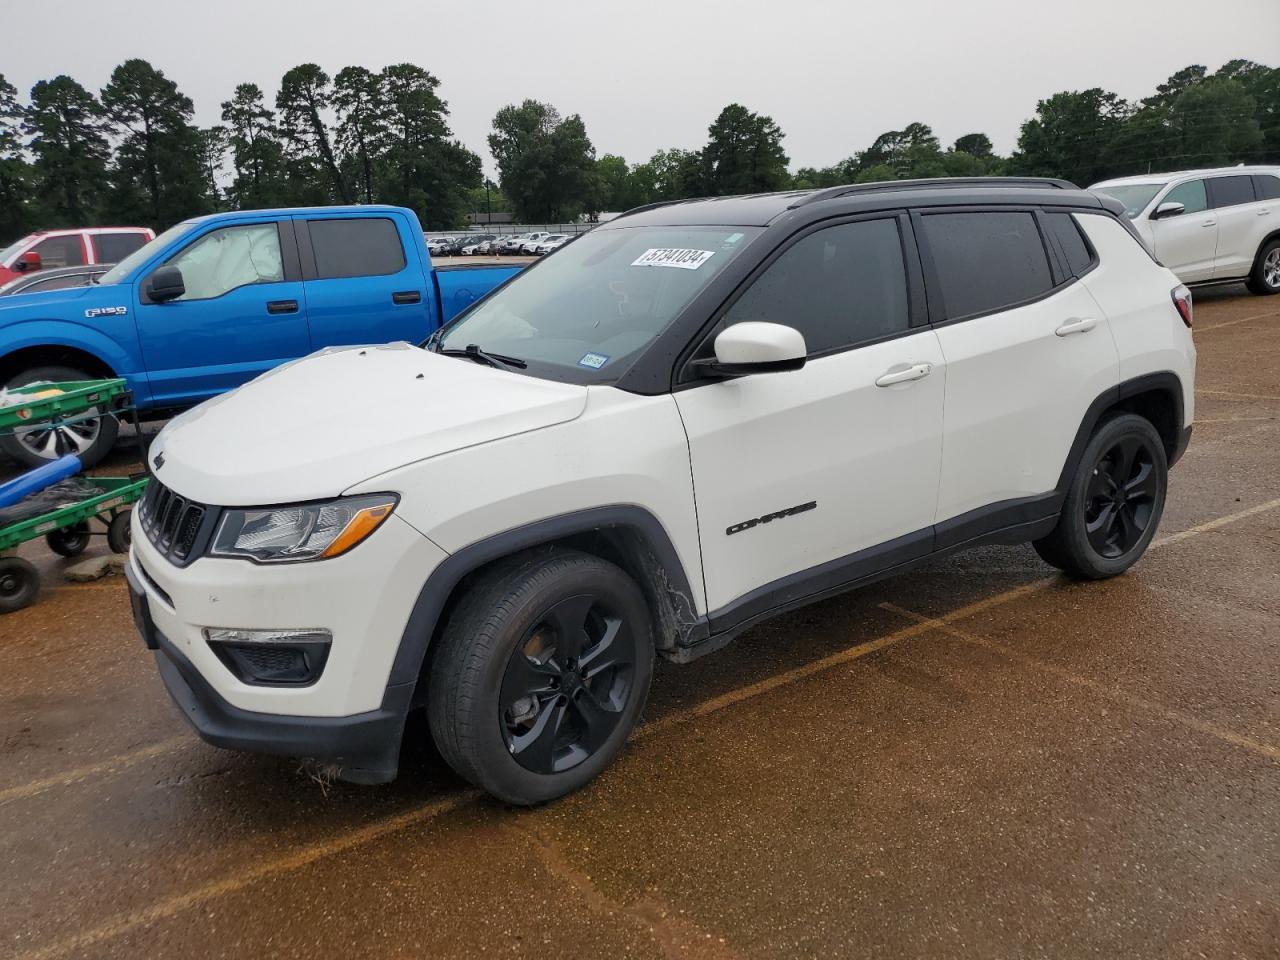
[978,758]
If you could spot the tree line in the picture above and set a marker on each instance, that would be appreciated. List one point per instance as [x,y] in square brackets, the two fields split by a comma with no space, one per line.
[131,153]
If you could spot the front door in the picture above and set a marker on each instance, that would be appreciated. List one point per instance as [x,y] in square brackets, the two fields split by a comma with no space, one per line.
[1187,243]
[243,313]
[794,473]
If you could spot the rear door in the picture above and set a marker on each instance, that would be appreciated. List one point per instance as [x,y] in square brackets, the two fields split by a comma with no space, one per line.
[1188,243]
[1236,206]
[365,283]
[794,473]
[242,312]
[1027,351]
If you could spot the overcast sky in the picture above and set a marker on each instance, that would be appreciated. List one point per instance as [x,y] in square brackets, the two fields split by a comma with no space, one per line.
[651,74]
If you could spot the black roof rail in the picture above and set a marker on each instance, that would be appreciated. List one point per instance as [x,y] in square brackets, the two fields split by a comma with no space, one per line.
[831,193]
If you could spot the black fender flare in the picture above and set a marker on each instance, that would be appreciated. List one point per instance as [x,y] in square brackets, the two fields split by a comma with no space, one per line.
[444,579]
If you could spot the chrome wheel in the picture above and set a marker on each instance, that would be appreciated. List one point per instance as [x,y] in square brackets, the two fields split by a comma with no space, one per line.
[49,442]
[1271,269]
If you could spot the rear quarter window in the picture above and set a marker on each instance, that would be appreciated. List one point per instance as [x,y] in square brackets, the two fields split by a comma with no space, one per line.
[1266,186]
[1064,230]
[358,247]
[986,261]
[114,247]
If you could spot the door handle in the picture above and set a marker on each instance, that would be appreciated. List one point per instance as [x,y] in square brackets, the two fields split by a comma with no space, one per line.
[917,371]
[1209,223]
[1264,213]
[1076,325]
[406,296]
[282,306]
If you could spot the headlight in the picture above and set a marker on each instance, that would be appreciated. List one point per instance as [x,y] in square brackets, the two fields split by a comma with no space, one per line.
[305,531]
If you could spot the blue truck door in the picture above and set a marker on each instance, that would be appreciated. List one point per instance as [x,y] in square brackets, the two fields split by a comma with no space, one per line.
[364,280]
[243,312]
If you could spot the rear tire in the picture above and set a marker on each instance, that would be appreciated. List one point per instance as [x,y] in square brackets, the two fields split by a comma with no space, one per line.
[540,675]
[1264,280]
[1114,503]
[91,440]
[119,532]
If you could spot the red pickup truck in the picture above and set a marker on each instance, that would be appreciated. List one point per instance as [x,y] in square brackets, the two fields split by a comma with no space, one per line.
[70,248]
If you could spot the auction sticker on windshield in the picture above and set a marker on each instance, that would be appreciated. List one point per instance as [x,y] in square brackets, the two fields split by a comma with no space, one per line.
[673,257]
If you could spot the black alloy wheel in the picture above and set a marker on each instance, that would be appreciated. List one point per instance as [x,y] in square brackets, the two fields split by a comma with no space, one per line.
[567,684]
[1122,496]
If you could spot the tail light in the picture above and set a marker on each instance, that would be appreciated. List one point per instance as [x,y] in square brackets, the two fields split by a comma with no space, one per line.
[1182,300]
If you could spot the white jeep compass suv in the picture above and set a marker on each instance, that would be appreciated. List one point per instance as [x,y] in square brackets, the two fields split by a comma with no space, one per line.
[697,416]
[1209,226]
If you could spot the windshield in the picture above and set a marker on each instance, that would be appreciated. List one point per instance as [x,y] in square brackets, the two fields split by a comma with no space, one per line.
[14,247]
[1134,196]
[143,253]
[583,314]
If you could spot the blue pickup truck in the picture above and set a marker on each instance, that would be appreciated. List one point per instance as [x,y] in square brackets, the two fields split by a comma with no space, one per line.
[215,301]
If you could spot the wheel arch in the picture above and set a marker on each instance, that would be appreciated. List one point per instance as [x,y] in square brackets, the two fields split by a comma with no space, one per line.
[1156,396]
[627,535]
[47,354]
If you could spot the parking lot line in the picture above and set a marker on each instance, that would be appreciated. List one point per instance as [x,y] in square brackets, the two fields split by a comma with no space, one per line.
[110,765]
[1235,396]
[340,844]
[1111,693]
[126,923]
[1232,323]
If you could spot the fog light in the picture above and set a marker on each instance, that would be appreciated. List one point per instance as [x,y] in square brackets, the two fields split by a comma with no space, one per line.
[272,657]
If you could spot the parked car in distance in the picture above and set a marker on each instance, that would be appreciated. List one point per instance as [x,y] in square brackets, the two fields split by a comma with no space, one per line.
[531,240]
[673,429]
[54,249]
[55,279]
[511,242]
[217,300]
[475,242]
[1209,226]
[551,243]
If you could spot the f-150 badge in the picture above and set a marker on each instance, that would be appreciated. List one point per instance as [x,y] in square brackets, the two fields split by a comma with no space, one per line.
[106,312]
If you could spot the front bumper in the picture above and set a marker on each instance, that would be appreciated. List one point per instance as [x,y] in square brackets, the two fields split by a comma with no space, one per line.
[364,748]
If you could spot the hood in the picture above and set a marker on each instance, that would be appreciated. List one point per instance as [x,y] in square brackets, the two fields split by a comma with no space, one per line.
[13,305]
[312,428]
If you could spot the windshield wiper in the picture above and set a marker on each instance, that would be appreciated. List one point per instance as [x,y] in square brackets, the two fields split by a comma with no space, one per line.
[473,352]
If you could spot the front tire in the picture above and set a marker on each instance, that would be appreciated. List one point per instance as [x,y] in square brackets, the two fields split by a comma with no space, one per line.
[19,584]
[540,675]
[1114,503]
[90,440]
[1264,280]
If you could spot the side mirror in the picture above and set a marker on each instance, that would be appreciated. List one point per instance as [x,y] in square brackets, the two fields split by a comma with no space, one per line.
[755,347]
[29,262]
[1170,208]
[166,284]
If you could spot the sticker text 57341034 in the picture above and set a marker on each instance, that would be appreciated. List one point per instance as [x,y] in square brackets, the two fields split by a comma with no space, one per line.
[678,257]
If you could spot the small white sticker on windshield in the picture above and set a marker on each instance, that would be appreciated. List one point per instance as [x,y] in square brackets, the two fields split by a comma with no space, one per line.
[673,257]
[593,360]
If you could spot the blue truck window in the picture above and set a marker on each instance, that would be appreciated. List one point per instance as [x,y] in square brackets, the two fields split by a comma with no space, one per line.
[356,247]
[232,257]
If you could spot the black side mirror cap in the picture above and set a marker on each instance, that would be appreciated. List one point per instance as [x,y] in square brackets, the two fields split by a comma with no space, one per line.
[166,284]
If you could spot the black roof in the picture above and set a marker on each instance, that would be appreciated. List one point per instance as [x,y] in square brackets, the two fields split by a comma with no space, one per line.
[762,209]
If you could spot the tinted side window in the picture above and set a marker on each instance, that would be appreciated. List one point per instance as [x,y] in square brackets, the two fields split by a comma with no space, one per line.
[1266,186]
[60,252]
[114,247]
[1230,191]
[1065,230]
[986,261]
[1190,194]
[366,247]
[843,285]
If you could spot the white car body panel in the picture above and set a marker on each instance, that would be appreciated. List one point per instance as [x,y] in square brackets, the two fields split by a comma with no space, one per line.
[867,455]
[314,427]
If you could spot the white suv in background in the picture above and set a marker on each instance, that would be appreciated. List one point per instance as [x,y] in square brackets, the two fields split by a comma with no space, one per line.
[1209,225]
[694,417]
